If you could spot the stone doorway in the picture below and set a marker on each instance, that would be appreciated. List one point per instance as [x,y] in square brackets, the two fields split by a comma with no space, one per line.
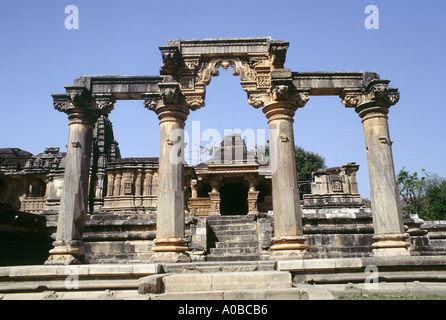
[234,199]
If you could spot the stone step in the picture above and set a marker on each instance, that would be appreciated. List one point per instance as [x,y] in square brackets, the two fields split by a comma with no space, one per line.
[241,251]
[234,227]
[229,220]
[234,232]
[233,257]
[237,238]
[378,277]
[226,281]
[223,266]
[247,244]
[258,294]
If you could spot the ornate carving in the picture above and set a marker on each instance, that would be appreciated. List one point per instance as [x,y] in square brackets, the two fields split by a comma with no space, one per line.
[61,102]
[187,82]
[210,69]
[151,101]
[393,96]
[278,51]
[169,93]
[280,93]
[336,185]
[255,100]
[195,101]
[79,96]
[105,103]
[350,99]
[302,98]
[170,59]
[263,81]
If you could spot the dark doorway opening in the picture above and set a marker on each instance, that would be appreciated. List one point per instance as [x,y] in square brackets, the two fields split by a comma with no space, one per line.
[234,199]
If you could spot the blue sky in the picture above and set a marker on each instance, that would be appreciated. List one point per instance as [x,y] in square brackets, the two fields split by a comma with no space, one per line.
[38,56]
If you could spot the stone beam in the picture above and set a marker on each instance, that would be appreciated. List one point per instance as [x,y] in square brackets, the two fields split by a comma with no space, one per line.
[120,87]
[332,83]
[223,46]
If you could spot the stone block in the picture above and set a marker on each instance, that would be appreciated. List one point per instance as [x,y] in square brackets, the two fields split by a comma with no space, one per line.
[151,284]
[188,282]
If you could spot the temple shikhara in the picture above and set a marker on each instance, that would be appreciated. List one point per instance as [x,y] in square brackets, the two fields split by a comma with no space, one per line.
[89,206]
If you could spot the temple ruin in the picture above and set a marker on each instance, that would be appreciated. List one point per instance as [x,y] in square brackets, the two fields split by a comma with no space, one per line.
[95,207]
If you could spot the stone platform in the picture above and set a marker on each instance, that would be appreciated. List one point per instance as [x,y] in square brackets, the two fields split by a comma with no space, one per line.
[314,279]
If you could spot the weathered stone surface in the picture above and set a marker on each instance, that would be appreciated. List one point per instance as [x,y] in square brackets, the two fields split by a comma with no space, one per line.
[151,284]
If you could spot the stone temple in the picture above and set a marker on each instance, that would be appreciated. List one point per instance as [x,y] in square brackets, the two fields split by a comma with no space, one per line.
[148,221]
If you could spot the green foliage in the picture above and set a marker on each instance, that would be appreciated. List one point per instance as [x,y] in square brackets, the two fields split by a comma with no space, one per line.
[425,196]
[411,189]
[307,162]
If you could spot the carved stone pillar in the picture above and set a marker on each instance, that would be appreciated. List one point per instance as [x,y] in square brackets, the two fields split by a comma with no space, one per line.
[193,187]
[170,243]
[117,188]
[372,106]
[253,194]
[147,188]
[82,114]
[110,182]
[288,240]
[215,197]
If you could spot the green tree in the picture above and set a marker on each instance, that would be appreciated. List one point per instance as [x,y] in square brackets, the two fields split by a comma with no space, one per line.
[425,196]
[435,199]
[307,162]
[411,188]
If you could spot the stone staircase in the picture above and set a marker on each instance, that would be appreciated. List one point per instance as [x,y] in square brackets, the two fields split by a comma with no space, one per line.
[232,238]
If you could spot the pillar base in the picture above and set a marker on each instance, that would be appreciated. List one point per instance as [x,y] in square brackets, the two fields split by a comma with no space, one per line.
[66,253]
[289,248]
[390,244]
[170,250]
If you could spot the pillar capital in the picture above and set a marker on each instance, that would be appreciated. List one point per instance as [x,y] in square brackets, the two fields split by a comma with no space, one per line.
[375,99]
[81,106]
[167,103]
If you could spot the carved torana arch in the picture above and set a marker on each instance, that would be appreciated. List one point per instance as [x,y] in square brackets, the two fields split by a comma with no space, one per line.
[193,63]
